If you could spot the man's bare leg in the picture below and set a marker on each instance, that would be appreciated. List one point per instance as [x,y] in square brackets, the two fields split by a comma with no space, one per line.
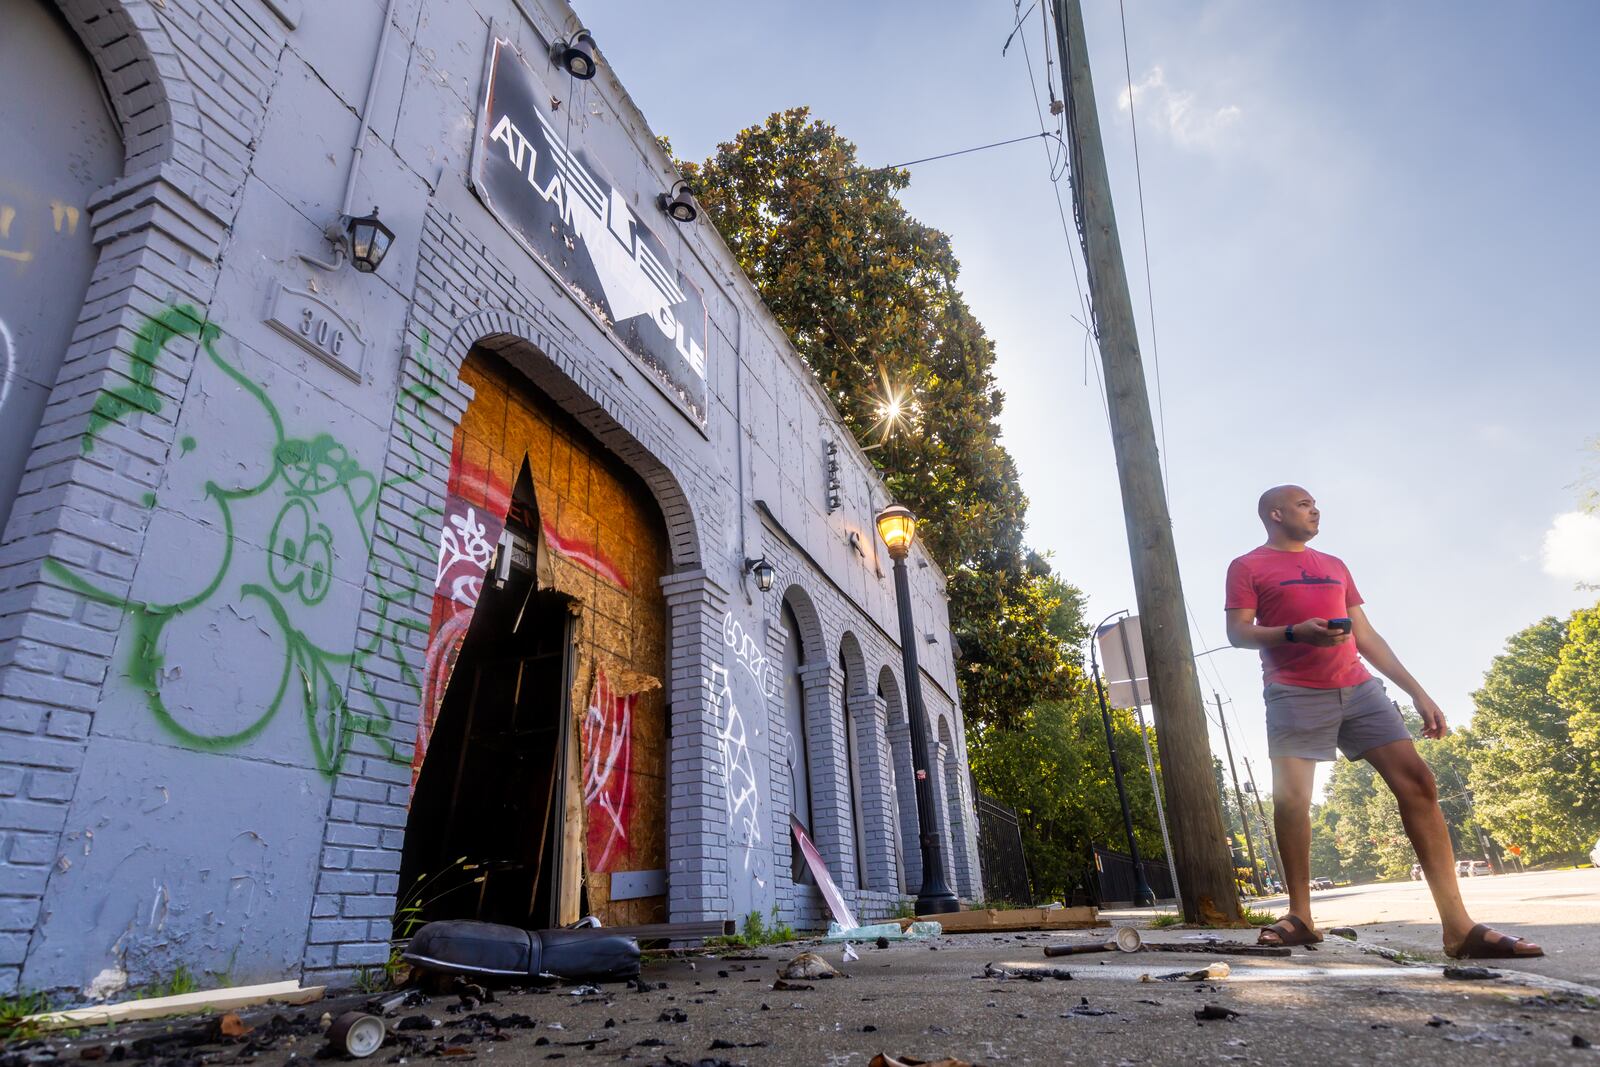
[1411,781]
[1291,816]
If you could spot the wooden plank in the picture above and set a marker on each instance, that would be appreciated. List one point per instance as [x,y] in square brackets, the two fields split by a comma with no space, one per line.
[676,931]
[961,922]
[182,1004]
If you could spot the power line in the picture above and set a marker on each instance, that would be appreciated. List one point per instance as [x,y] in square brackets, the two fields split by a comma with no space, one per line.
[942,155]
[1057,169]
[1144,237]
[1055,174]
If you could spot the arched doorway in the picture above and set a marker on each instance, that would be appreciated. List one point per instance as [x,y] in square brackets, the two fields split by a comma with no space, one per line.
[62,146]
[796,750]
[955,813]
[854,716]
[540,776]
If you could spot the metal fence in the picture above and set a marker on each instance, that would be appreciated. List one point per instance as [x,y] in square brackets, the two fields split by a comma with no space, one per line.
[1114,878]
[1000,855]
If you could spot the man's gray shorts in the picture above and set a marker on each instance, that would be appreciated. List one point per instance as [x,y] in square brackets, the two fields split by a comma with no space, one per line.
[1308,723]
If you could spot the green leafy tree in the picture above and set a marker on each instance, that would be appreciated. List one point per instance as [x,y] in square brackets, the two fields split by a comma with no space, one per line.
[868,296]
[1359,821]
[1534,774]
[1053,768]
[1575,686]
[1326,862]
[1350,794]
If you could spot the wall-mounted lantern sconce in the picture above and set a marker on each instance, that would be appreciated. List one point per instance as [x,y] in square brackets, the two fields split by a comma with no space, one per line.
[365,241]
[679,203]
[763,573]
[369,242]
[576,54]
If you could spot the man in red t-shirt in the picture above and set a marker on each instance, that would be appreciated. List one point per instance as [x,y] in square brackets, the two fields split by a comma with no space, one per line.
[1300,607]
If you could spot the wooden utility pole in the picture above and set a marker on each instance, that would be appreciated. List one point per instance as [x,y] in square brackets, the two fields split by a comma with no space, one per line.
[1238,798]
[1205,876]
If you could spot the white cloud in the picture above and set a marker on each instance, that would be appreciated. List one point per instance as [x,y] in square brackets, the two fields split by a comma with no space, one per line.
[1572,547]
[1187,122]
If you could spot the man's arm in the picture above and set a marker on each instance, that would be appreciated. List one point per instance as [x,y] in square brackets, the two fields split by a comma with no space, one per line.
[1244,633]
[1376,651]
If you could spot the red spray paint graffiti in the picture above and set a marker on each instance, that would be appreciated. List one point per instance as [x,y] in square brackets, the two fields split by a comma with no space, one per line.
[607,754]
[473,518]
[584,555]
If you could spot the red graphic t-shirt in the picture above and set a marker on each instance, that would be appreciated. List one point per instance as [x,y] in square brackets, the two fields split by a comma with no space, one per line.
[1285,588]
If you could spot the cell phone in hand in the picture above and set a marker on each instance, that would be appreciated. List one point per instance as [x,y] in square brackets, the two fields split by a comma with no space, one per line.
[1339,624]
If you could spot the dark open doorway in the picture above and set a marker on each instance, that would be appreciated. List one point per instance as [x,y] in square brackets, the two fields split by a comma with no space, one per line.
[483,840]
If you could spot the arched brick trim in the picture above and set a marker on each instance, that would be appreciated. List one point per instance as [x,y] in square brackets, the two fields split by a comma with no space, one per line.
[897,735]
[814,644]
[159,229]
[369,794]
[529,348]
[118,36]
[813,662]
[872,752]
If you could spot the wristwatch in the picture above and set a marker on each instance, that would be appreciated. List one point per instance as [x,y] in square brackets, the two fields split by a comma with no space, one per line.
[1288,634]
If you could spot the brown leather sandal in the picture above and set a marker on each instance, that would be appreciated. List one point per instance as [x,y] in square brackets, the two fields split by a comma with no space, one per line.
[1290,931]
[1477,946]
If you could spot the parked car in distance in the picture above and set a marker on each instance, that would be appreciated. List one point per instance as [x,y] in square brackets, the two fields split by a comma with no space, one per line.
[1416,872]
[1322,883]
[1479,868]
[1463,868]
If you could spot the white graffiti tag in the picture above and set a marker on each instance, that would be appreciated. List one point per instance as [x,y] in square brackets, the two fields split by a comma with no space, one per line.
[9,359]
[738,769]
[465,551]
[606,755]
[746,650]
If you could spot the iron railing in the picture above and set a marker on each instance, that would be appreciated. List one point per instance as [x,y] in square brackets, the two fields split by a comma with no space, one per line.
[1114,878]
[1000,856]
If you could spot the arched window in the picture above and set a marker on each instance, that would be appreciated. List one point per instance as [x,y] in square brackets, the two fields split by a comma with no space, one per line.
[794,721]
[852,756]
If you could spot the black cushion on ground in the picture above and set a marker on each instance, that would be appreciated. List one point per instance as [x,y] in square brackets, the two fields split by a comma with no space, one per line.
[468,947]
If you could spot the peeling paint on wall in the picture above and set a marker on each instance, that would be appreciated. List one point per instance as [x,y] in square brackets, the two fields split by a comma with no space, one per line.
[318,499]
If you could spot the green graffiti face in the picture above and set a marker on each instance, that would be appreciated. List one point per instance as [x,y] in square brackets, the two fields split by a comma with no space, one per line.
[300,553]
[312,487]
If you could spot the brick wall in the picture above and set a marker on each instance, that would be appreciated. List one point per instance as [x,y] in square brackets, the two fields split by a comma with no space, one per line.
[218,774]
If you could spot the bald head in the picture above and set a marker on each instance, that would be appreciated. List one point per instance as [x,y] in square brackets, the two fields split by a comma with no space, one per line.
[1279,496]
[1289,511]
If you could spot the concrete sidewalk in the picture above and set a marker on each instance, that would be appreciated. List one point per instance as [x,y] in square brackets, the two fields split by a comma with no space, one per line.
[1558,909]
[1333,1006]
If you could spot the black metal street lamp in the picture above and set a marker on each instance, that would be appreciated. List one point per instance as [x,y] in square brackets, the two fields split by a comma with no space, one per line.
[1142,896]
[897,526]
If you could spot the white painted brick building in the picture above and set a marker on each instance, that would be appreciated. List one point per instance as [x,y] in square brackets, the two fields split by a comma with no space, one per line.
[244,496]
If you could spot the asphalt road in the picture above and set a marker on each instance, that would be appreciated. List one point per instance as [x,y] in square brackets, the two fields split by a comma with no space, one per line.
[1558,909]
[1333,1007]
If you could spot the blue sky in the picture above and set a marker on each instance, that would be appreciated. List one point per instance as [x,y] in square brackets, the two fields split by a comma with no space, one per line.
[1372,233]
